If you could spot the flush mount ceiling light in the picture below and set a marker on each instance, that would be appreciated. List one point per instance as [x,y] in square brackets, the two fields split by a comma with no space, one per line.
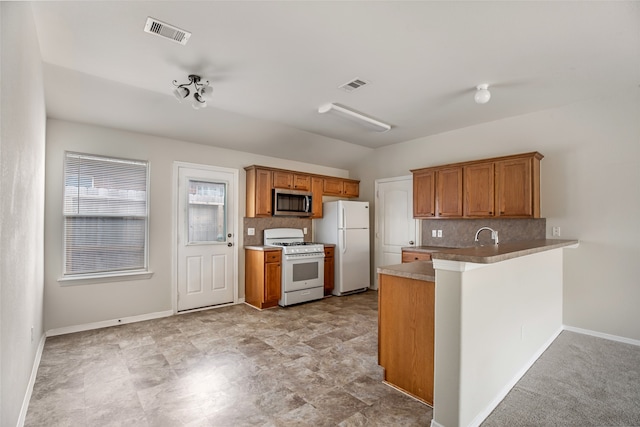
[482,95]
[199,89]
[374,124]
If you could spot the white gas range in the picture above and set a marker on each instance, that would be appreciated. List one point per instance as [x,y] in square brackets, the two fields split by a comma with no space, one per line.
[302,265]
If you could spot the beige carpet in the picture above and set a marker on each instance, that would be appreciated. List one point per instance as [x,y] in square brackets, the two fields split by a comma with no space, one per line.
[579,381]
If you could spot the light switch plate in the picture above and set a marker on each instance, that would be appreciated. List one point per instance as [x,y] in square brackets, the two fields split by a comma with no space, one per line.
[439,233]
[434,233]
[304,230]
[251,231]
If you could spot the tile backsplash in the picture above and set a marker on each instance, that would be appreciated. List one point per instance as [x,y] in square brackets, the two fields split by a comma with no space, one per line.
[459,233]
[261,224]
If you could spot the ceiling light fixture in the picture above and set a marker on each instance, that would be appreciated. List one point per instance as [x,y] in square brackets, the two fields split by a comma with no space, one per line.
[482,95]
[376,125]
[199,89]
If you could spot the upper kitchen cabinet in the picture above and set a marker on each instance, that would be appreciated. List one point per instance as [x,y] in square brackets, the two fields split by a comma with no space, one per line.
[259,186]
[518,187]
[341,187]
[449,192]
[424,193]
[293,181]
[479,194]
[317,184]
[507,187]
[262,180]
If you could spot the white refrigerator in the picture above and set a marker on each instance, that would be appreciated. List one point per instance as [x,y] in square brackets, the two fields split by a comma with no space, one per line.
[346,224]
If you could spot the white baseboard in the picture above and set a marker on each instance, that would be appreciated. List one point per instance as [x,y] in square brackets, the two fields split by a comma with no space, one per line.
[107,323]
[601,335]
[32,381]
[507,388]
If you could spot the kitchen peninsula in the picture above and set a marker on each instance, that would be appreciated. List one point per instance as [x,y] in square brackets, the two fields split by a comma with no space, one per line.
[494,310]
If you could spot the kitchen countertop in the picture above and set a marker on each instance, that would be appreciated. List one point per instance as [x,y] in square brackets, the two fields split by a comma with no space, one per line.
[489,254]
[425,249]
[419,270]
[263,248]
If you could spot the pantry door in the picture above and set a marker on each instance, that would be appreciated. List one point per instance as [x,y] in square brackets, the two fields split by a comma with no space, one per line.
[395,225]
[206,250]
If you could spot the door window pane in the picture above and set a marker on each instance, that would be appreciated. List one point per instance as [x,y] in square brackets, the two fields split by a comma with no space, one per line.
[207,211]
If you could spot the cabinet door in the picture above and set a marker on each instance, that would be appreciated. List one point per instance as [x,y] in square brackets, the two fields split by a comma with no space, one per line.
[263,192]
[449,193]
[479,190]
[351,188]
[514,188]
[272,277]
[316,191]
[301,182]
[332,187]
[424,195]
[329,270]
[282,179]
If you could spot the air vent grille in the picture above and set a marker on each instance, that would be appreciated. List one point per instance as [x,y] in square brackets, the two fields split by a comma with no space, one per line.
[353,85]
[162,29]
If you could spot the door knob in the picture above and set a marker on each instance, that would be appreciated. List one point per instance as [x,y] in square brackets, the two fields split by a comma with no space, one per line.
[229,235]
[229,244]
[411,242]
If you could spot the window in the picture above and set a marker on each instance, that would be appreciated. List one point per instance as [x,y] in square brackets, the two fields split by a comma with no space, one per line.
[105,215]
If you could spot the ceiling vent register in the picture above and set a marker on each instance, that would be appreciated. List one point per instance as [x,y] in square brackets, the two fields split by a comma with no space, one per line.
[167,31]
[353,85]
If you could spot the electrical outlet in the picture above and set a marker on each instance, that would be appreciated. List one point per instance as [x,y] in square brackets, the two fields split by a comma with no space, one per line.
[251,231]
[439,233]
[556,231]
[434,233]
[304,230]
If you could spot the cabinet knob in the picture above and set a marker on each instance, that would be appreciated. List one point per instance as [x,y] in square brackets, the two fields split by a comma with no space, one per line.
[229,244]
[411,242]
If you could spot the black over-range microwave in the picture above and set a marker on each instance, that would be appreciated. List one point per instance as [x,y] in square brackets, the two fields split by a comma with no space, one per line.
[291,203]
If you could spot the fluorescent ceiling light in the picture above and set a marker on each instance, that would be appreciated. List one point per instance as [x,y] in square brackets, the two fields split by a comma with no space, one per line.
[376,125]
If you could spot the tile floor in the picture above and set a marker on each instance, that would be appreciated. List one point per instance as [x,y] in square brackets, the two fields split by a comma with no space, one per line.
[309,365]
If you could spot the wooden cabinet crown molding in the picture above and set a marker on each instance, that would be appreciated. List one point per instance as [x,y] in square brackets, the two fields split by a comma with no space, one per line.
[506,187]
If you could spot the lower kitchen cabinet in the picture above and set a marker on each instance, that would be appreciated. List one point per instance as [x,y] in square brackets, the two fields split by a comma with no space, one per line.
[263,275]
[329,269]
[411,256]
[406,314]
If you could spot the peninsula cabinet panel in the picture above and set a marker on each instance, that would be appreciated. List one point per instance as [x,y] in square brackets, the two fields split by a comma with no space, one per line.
[479,190]
[424,195]
[518,191]
[406,314]
[449,192]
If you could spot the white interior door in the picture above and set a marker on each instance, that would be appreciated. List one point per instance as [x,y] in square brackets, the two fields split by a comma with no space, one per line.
[395,225]
[206,254]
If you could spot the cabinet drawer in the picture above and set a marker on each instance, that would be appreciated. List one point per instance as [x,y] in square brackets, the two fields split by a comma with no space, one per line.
[272,256]
[415,256]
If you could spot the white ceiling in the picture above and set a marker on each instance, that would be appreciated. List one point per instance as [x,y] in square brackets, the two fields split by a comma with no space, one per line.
[271,64]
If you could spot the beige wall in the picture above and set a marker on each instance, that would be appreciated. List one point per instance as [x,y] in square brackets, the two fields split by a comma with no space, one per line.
[22,151]
[67,306]
[589,187]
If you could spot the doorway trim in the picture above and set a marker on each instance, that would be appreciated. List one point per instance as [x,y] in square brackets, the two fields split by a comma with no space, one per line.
[377,219]
[175,227]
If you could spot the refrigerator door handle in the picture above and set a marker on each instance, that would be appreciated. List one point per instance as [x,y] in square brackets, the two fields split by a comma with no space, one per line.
[344,240]
[344,219]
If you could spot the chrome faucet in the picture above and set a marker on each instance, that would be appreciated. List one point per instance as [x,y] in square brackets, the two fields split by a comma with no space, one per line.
[494,234]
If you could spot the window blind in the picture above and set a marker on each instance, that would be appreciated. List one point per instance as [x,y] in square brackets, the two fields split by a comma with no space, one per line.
[105,214]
